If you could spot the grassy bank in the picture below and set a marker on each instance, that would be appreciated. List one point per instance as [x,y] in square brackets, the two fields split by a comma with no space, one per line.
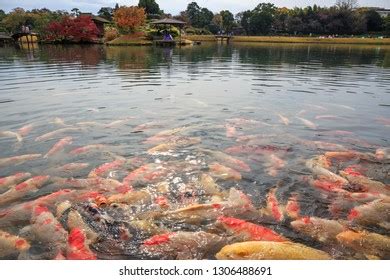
[130,40]
[311,40]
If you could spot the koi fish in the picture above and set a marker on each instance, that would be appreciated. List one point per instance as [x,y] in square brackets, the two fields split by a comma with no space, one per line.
[269,250]
[319,229]
[175,143]
[12,244]
[183,245]
[131,197]
[25,130]
[293,208]
[72,167]
[318,166]
[372,245]
[59,146]
[54,133]
[118,122]
[256,149]
[22,189]
[146,173]
[228,160]
[10,134]
[104,168]
[231,131]
[14,179]
[87,149]
[376,212]
[307,123]
[273,206]
[46,229]
[357,179]
[77,248]
[224,172]
[17,160]
[249,231]
[382,153]
[274,164]
[284,120]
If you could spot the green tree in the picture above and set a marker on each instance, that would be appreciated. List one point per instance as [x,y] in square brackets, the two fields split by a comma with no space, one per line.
[199,17]
[386,25]
[106,12]
[150,6]
[374,20]
[227,20]
[244,20]
[262,18]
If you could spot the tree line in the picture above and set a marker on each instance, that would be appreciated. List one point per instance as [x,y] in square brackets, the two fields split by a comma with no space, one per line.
[343,18]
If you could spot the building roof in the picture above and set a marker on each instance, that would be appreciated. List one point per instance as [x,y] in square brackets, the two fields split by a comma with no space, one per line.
[170,21]
[95,18]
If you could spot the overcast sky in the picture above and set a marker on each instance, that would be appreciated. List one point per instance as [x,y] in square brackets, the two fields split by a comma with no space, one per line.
[172,6]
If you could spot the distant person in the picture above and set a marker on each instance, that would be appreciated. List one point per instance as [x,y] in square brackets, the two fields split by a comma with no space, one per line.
[27,29]
[167,37]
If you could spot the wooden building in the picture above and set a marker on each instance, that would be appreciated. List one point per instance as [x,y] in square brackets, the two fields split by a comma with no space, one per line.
[99,22]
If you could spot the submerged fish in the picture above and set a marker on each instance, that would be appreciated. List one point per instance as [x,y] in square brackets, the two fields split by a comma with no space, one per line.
[224,172]
[307,123]
[376,212]
[273,206]
[319,229]
[284,120]
[59,146]
[175,143]
[57,132]
[372,245]
[16,160]
[10,134]
[228,160]
[248,231]
[87,149]
[357,179]
[47,230]
[269,250]
[318,166]
[11,244]
[13,179]
[72,166]
[77,248]
[23,189]
[231,131]
[25,130]
[102,169]
[183,245]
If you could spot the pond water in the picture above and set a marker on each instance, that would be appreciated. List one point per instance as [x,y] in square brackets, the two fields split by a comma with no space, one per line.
[252,117]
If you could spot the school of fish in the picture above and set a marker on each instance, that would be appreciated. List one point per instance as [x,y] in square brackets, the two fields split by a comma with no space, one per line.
[181,199]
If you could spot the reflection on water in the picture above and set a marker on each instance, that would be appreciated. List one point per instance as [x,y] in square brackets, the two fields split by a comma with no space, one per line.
[153,128]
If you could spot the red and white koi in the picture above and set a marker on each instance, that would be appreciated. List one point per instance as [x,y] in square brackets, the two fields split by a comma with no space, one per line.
[12,244]
[249,231]
[16,160]
[22,189]
[273,206]
[106,167]
[59,146]
[77,248]
[25,130]
[57,132]
[13,179]
[87,149]
[223,172]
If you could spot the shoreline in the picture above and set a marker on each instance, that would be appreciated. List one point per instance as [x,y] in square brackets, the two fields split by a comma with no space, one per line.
[293,40]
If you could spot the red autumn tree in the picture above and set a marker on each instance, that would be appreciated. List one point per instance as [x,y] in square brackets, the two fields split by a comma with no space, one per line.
[80,29]
[129,18]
